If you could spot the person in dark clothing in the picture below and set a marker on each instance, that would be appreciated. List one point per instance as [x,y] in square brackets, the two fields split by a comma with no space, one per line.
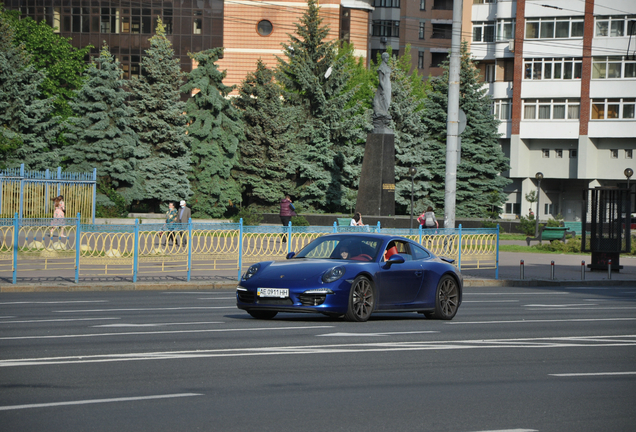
[286,212]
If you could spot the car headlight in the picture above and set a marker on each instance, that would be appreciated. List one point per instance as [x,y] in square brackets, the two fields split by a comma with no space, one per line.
[333,274]
[318,291]
[251,271]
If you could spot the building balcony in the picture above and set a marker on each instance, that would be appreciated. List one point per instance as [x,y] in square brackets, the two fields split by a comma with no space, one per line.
[611,128]
[550,129]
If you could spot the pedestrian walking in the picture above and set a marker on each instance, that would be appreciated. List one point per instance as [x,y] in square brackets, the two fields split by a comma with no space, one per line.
[58,218]
[171,219]
[184,215]
[287,211]
[428,219]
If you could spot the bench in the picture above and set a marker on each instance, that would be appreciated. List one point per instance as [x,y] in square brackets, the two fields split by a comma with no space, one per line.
[344,221]
[550,233]
[575,227]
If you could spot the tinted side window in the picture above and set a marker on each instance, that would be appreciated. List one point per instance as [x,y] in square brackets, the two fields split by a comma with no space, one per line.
[419,253]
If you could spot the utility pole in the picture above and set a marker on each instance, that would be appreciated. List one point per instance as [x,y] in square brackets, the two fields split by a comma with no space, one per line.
[452,125]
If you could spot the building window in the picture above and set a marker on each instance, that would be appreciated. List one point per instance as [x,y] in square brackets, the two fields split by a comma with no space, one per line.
[489,75]
[545,153]
[513,208]
[442,31]
[483,1]
[628,153]
[387,3]
[558,153]
[505,29]
[548,208]
[613,153]
[422,27]
[501,109]
[442,4]
[609,109]
[613,67]
[552,68]
[484,31]
[614,26]
[572,154]
[554,28]
[438,58]
[386,28]
[420,60]
[422,4]
[264,28]
[551,109]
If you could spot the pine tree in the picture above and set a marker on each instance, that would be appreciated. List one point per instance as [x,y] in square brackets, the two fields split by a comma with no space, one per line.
[160,123]
[215,129]
[411,143]
[331,142]
[26,126]
[100,131]
[482,159]
[267,170]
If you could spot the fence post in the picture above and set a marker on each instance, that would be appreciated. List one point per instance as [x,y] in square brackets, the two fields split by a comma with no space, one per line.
[94,191]
[21,207]
[136,250]
[77,247]
[497,256]
[420,231]
[240,251]
[59,184]
[459,252]
[289,239]
[379,227]
[335,227]
[16,228]
[189,247]
[47,185]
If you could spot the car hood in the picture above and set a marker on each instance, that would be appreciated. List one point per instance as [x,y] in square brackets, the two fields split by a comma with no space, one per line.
[296,269]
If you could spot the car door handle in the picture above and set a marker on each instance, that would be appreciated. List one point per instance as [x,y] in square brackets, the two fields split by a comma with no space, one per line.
[418,273]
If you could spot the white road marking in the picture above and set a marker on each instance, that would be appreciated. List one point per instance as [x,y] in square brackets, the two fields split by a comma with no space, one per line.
[490,301]
[468,294]
[146,309]
[57,320]
[592,374]
[217,298]
[540,321]
[157,324]
[531,343]
[512,430]
[557,305]
[53,302]
[375,334]
[5,317]
[97,401]
[197,292]
[160,332]
[583,308]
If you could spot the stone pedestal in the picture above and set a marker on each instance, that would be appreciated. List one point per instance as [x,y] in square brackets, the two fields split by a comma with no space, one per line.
[376,192]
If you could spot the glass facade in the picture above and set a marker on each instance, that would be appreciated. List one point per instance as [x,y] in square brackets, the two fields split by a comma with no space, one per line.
[126,26]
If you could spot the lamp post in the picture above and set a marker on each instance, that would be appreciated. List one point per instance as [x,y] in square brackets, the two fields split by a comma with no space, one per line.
[412,172]
[629,173]
[539,177]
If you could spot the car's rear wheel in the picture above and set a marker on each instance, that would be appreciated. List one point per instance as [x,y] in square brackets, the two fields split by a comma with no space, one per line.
[261,314]
[361,300]
[446,298]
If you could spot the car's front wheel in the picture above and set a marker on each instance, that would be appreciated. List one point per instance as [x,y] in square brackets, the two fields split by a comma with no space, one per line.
[261,314]
[361,300]
[446,298]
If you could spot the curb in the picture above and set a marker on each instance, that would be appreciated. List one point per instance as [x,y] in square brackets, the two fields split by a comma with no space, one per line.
[207,286]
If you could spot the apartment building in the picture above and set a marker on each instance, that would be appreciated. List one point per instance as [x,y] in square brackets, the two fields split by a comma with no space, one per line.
[424,24]
[126,26]
[563,78]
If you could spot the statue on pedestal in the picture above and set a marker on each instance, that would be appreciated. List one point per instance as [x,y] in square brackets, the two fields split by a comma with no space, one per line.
[382,99]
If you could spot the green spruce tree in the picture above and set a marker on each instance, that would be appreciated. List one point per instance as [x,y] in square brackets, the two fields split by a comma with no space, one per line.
[331,142]
[482,159]
[267,170]
[160,123]
[100,131]
[216,129]
[26,125]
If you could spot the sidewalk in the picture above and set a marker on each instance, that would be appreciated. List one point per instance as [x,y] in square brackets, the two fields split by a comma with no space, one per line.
[537,272]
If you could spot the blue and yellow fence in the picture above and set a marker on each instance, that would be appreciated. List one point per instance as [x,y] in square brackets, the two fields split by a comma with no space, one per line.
[31,193]
[68,246]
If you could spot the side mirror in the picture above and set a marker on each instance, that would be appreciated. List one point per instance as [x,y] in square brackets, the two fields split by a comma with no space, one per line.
[291,255]
[395,259]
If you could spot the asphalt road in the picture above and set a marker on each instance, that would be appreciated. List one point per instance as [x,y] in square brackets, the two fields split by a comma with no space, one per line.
[524,359]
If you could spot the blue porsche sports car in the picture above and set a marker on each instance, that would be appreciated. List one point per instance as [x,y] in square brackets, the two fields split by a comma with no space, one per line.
[353,275]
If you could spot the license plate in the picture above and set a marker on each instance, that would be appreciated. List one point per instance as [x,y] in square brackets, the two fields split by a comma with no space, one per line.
[273,292]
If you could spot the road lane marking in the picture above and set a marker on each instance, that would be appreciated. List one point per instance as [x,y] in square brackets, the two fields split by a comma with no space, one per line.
[53,302]
[157,324]
[97,401]
[467,294]
[583,308]
[490,301]
[529,343]
[376,334]
[146,309]
[592,374]
[57,320]
[160,332]
[540,321]
[200,292]
[512,430]
[557,305]
[217,298]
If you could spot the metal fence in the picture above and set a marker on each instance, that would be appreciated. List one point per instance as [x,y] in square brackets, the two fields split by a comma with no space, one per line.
[89,250]
[31,193]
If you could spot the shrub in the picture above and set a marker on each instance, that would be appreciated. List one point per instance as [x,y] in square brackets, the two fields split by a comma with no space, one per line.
[556,222]
[527,225]
[250,216]
[492,224]
[299,221]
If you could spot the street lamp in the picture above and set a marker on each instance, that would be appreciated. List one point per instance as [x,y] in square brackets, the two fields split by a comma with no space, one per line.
[539,177]
[629,173]
[412,172]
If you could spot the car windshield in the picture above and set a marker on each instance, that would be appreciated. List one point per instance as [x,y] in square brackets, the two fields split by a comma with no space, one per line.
[351,247]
